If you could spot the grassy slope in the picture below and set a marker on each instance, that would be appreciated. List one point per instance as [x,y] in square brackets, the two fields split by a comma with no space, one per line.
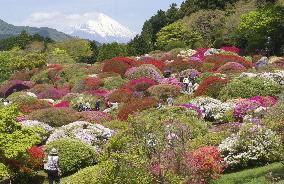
[254,176]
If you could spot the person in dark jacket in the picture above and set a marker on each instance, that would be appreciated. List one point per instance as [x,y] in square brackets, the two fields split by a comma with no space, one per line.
[98,104]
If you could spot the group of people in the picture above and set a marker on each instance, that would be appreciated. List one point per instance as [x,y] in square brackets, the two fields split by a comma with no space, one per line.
[87,106]
[188,81]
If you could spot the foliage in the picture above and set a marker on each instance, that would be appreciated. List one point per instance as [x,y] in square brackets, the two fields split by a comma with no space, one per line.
[15,59]
[111,50]
[257,25]
[119,96]
[74,155]
[231,67]
[59,56]
[78,49]
[55,117]
[87,84]
[174,33]
[249,87]
[111,83]
[211,86]
[14,140]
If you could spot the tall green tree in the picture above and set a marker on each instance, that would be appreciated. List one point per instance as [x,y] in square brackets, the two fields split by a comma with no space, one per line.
[111,50]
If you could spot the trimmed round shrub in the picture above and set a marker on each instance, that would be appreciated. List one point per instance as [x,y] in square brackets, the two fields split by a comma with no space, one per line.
[213,62]
[158,64]
[119,67]
[134,106]
[87,84]
[180,65]
[55,117]
[146,71]
[113,82]
[231,67]
[249,87]
[140,84]
[41,77]
[74,155]
[96,117]
[211,86]
[164,90]
[120,95]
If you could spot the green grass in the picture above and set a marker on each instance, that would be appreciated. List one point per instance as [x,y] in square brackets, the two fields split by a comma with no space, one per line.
[254,176]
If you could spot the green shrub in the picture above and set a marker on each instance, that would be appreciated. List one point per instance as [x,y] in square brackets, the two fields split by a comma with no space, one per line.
[41,77]
[55,117]
[73,154]
[111,83]
[249,87]
[116,125]
[4,171]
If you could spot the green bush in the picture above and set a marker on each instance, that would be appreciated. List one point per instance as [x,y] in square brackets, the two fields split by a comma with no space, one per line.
[73,154]
[111,83]
[4,171]
[55,117]
[41,77]
[249,87]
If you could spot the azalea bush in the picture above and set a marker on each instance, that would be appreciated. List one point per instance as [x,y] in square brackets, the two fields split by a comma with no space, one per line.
[94,135]
[116,66]
[120,95]
[231,67]
[111,83]
[248,87]
[53,93]
[171,81]
[217,60]
[55,117]
[96,117]
[74,155]
[134,106]
[141,84]
[211,86]
[147,71]
[46,129]
[158,64]
[164,90]
[87,84]
[36,156]
[252,145]
[8,87]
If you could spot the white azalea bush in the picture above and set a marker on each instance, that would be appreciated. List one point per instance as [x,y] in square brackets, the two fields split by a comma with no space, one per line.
[277,77]
[252,145]
[91,134]
[213,109]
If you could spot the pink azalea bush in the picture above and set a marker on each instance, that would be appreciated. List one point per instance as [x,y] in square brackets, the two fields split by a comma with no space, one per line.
[96,117]
[63,104]
[231,67]
[147,71]
[141,84]
[54,93]
[231,49]
[171,81]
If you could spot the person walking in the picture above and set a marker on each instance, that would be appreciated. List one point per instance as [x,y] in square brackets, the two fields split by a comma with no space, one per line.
[186,83]
[170,101]
[53,170]
[88,106]
[97,106]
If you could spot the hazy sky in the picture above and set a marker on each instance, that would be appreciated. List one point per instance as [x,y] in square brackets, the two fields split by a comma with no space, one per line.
[131,13]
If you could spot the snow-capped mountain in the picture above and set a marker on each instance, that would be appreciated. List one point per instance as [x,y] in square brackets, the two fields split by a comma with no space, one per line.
[101,28]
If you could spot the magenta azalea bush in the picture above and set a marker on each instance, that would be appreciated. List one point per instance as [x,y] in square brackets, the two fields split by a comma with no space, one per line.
[171,81]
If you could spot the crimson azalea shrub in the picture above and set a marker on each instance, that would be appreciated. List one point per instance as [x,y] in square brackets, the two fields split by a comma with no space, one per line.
[96,117]
[213,62]
[55,117]
[130,62]
[36,156]
[63,104]
[231,67]
[53,93]
[119,67]
[146,71]
[211,86]
[87,84]
[120,95]
[104,75]
[134,106]
[204,164]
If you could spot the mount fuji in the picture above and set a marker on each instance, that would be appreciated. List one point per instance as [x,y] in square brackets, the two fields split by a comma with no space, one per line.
[101,28]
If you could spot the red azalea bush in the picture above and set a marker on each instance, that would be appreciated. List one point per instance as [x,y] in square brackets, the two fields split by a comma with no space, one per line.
[54,72]
[99,93]
[96,117]
[164,90]
[24,75]
[231,67]
[231,49]
[119,67]
[139,84]
[38,104]
[159,64]
[120,95]
[87,84]
[63,104]
[134,106]
[130,62]
[205,164]
[36,156]
[213,62]
[211,86]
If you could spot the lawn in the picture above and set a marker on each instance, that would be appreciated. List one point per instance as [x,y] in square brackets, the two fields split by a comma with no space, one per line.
[258,175]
